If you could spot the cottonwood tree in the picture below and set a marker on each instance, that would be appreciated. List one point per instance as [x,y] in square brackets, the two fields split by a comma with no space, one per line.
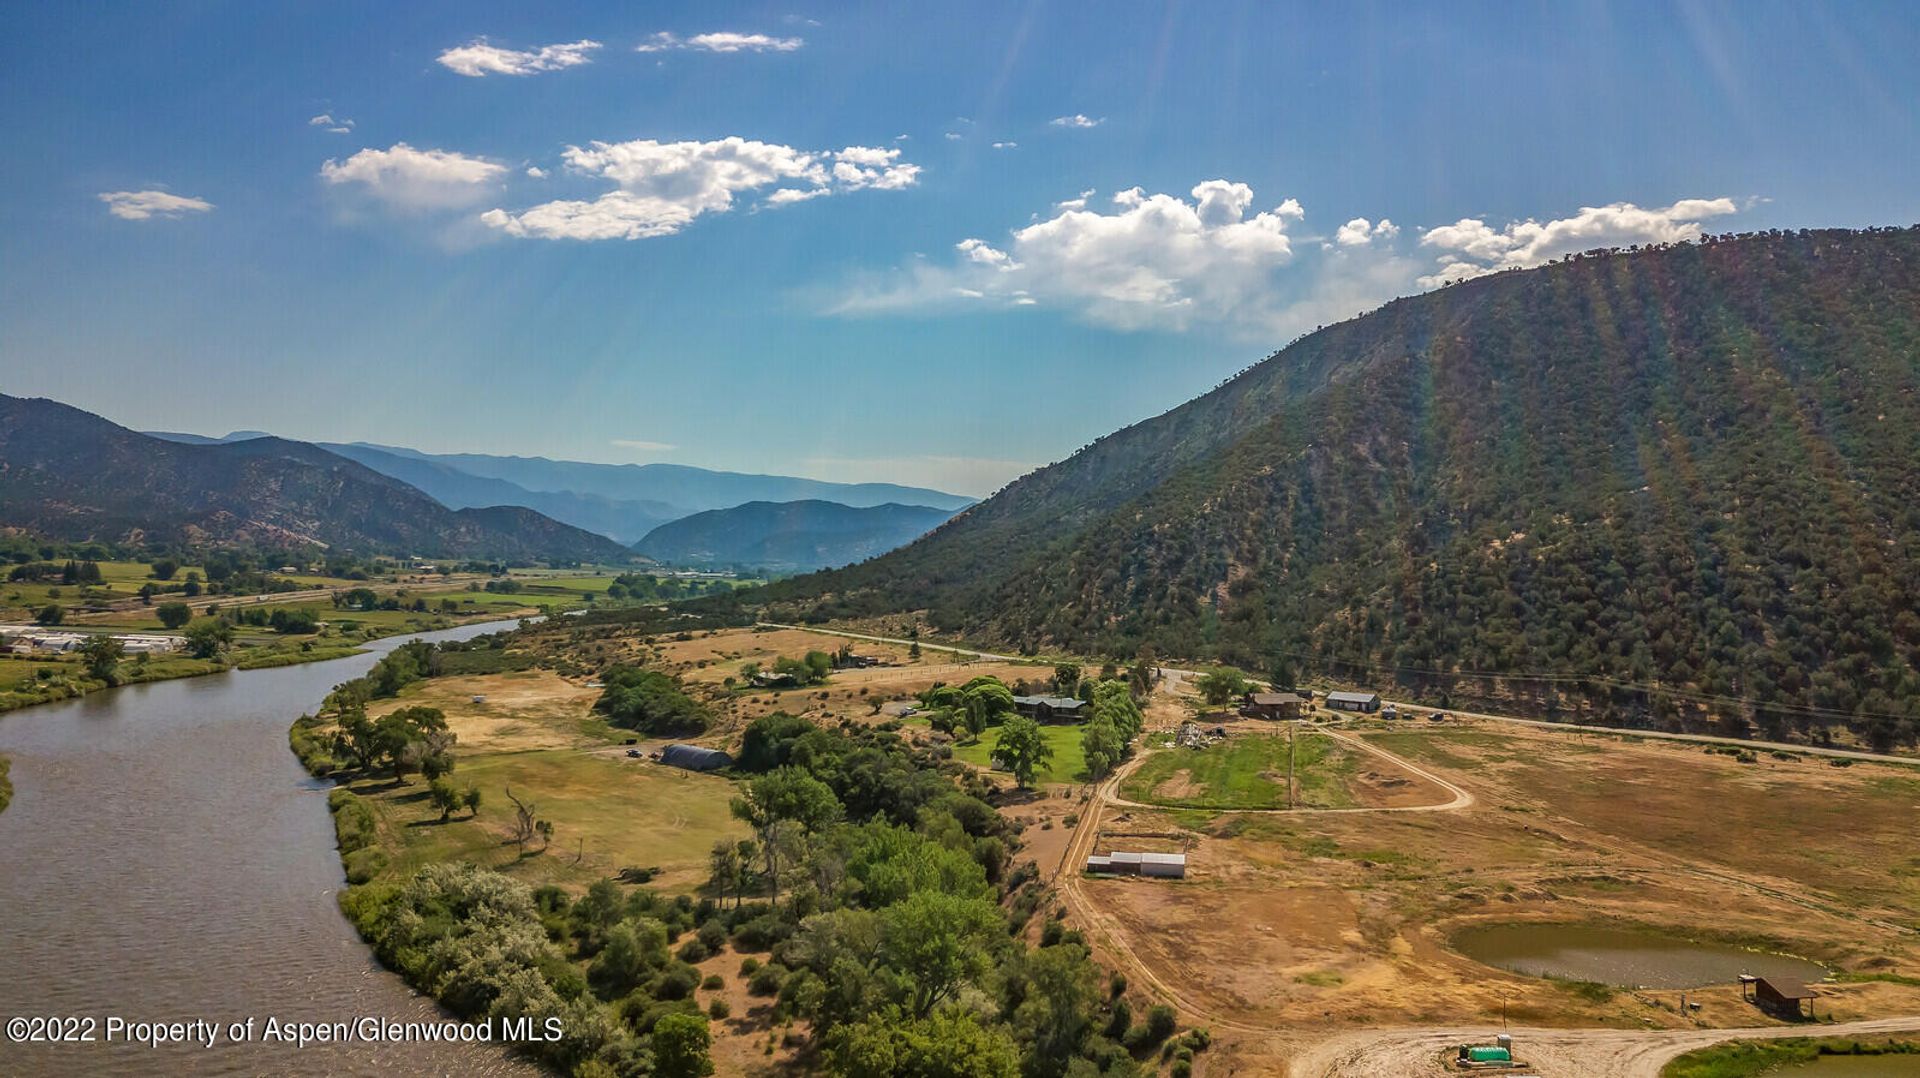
[1022,748]
[102,654]
[778,803]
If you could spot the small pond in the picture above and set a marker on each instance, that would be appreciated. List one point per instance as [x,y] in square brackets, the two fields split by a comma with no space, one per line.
[1618,956]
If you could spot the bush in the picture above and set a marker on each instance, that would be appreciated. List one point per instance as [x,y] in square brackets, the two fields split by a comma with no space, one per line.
[1120,1020]
[713,935]
[692,951]
[766,980]
[713,983]
[676,982]
[364,864]
[718,1009]
[748,965]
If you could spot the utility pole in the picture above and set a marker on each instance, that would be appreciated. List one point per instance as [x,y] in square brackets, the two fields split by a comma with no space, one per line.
[1290,733]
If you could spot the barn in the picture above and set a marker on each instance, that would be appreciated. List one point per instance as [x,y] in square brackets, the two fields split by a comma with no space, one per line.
[1354,701]
[695,758]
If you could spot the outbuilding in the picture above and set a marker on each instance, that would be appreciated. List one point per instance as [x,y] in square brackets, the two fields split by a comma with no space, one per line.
[1167,866]
[1367,702]
[1784,996]
[695,758]
[1272,705]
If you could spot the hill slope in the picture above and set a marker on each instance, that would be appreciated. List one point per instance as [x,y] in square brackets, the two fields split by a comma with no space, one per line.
[73,475]
[789,535]
[1697,467]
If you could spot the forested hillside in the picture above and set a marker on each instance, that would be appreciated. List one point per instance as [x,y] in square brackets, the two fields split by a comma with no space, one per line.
[789,535]
[1663,484]
[69,474]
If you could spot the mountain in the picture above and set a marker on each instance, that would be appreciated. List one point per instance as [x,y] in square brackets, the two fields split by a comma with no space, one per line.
[70,474]
[1660,484]
[689,489]
[624,520]
[789,535]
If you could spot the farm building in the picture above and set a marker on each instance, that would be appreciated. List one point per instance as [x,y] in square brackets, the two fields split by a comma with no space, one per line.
[1272,705]
[1354,701]
[769,680]
[1051,708]
[695,758]
[1784,996]
[1170,866]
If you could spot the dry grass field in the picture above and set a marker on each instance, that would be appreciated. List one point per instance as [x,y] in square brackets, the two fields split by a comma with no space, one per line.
[1296,925]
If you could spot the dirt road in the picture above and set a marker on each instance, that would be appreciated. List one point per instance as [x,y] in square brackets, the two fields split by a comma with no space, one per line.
[1549,1053]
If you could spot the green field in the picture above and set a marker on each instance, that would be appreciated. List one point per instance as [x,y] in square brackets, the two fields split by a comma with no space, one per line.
[1069,764]
[120,580]
[1750,1059]
[1245,773]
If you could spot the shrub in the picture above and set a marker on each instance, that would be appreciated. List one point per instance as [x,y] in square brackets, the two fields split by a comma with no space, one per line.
[364,864]
[713,935]
[713,983]
[748,965]
[766,980]
[692,951]
[718,1009]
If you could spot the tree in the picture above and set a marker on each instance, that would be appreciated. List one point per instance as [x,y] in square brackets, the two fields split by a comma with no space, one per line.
[939,943]
[445,798]
[472,800]
[985,700]
[950,1043]
[173,615]
[1220,685]
[164,568]
[1022,749]
[1066,679]
[51,614]
[102,654]
[680,1046]
[207,638]
[727,868]
[779,800]
[1283,675]
[1102,746]
[526,825]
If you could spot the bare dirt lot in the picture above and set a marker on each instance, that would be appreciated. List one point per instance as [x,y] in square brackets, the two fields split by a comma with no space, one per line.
[1294,928]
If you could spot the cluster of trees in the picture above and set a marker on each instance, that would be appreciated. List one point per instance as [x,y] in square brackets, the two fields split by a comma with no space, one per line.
[281,619]
[649,702]
[1112,728]
[43,572]
[404,741]
[813,668]
[982,702]
[644,587]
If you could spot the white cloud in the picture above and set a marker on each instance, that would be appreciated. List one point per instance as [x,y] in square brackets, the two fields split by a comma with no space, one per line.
[145,205]
[1472,247]
[902,138]
[661,187]
[1077,120]
[477,58]
[722,41]
[341,126]
[1163,262]
[535,172]
[1157,260]
[1006,145]
[643,446]
[954,136]
[1361,231]
[416,179]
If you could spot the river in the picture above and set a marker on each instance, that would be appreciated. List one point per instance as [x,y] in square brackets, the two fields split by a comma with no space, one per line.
[167,858]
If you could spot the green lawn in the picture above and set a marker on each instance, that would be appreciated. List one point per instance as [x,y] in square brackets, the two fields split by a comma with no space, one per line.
[1069,764]
[1246,773]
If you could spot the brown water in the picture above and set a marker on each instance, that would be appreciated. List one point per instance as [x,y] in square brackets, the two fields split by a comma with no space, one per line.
[166,858]
[1621,956]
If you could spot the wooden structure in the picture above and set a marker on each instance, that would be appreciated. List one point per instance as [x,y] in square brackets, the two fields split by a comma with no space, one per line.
[1272,705]
[1784,996]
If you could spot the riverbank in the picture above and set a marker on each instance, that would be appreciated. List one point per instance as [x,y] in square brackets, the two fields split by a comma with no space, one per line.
[1749,1059]
[6,785]
[167,856]
[28,682]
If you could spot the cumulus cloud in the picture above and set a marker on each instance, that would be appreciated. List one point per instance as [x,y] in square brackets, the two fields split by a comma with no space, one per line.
[1077,120]
[404,177]
[146,205]
[1006,145]
[477,59]
[661,187]
[1472,247]
[1362,231]
[1159,261]
[723,41]
[1155,260]
[341,126]
[535,172]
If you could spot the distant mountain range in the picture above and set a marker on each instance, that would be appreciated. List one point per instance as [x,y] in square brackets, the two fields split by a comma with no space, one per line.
[70,474]
[623,501]
[800,535]
[1653,480]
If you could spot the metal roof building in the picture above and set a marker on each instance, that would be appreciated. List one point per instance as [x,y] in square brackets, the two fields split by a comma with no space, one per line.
[695,758]
[1171,866]
[1354,701]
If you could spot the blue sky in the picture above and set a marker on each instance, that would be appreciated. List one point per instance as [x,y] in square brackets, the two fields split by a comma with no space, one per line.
[1006,229]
